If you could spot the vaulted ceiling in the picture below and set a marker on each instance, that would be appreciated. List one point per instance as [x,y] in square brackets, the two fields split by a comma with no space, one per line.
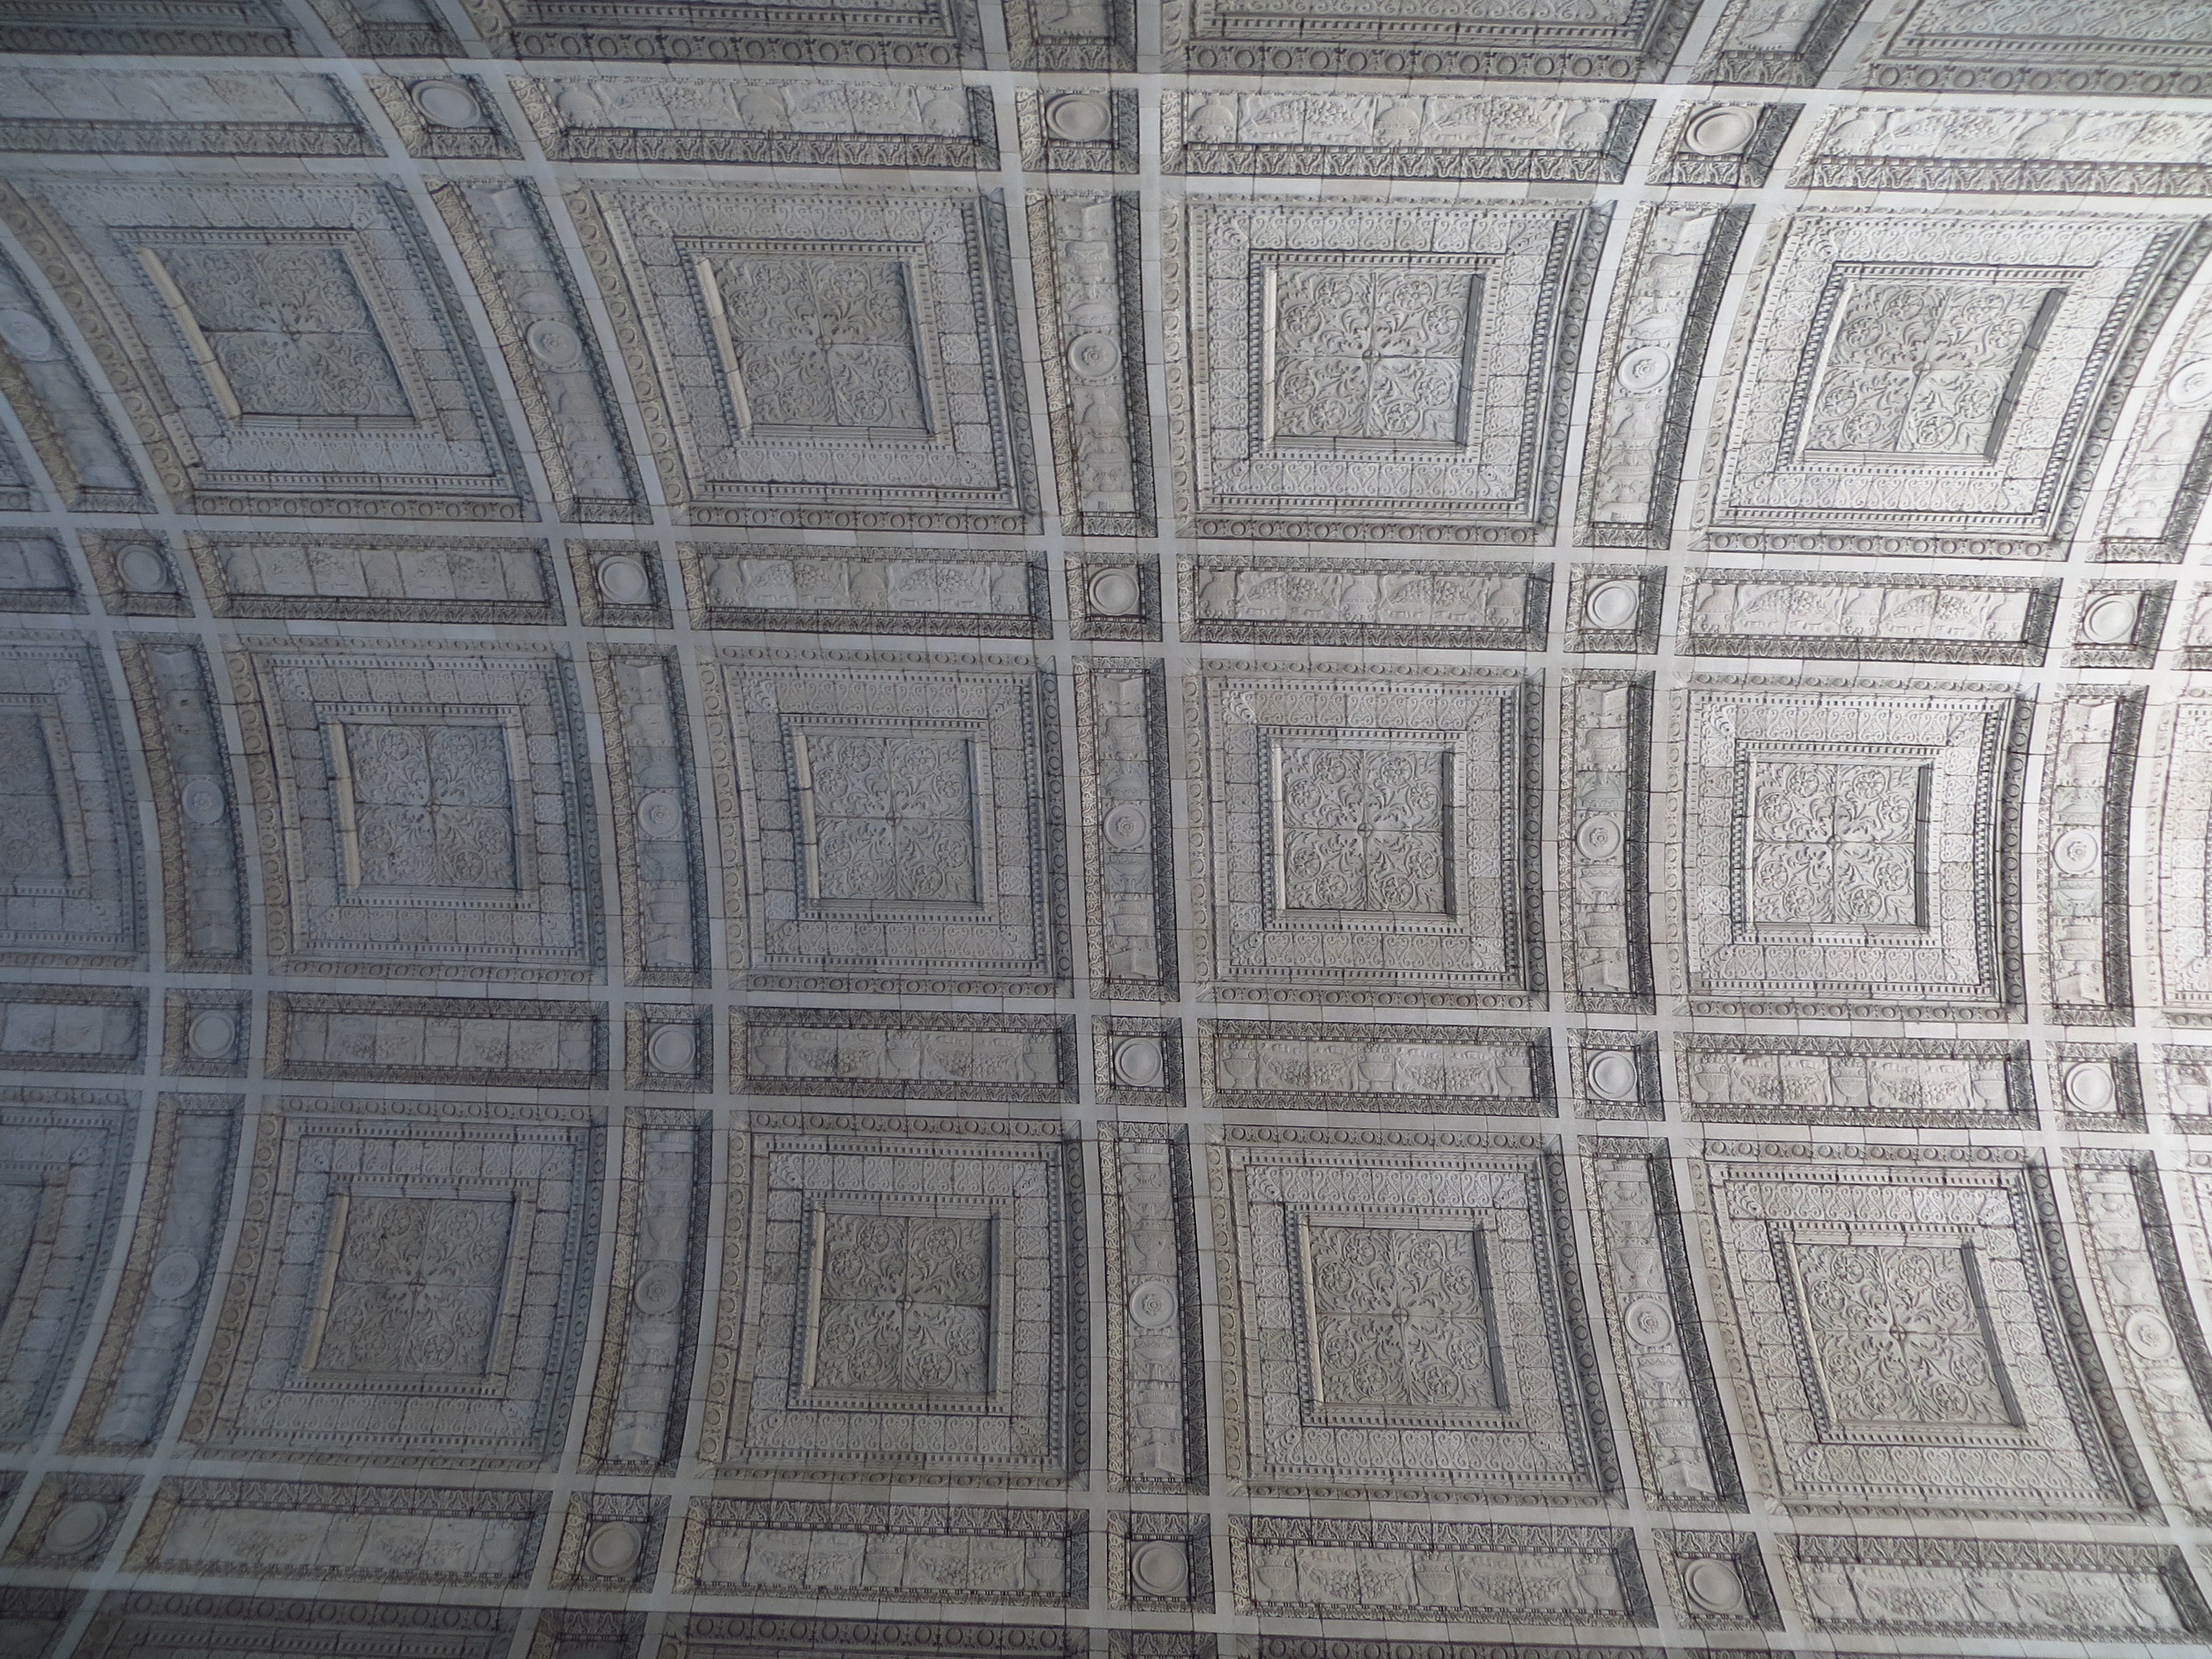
[1260,829]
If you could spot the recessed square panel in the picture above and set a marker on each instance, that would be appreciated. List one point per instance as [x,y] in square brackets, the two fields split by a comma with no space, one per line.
[1905,1336]
[1405,1321]
[1369,836]
[896,822]
[434,819]
[283,349]
[1852,850]
[1931,382]
[415,1293]
[901,1306]
[1355,373]
[834,358]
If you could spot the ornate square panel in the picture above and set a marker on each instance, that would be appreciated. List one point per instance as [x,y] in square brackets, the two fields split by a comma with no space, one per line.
[1362,373]
[1407,1320]
[428,811]
[1907,1335]
[285,349]
[412,1296]
[843,360]
[63,1156]
[1368,837]
[898,819]
[1849,847]
[897,1303]
[68,877]
[1930,382]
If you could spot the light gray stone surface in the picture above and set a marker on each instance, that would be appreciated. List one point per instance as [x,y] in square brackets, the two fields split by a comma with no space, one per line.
[1190,829]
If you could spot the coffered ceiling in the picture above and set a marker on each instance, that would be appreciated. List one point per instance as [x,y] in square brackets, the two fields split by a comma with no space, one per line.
[1245,830]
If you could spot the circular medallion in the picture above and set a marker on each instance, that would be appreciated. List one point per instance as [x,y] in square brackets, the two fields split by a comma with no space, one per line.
[144,569]
[661,816]
[1125,827]
[1158,1568]
[2088,1085]
[1114,593]
[1613,605]
[657,1289]
[1643,368]
[446,104]
[76,1528]
[1152,1304]
[1647,1321]
[1599,836]
[673,1050]
[26,335]
[211,1034]
[2077,852]
[1138,1061]
[2148,1334]
[1713,1586]
[554,343]
[175,1275]
[1080,117]
[1723,132]
[1093,356]
[2190,386]
[2109,619]
[623,581]
[1612,1074]
[612,1548]
[202,800]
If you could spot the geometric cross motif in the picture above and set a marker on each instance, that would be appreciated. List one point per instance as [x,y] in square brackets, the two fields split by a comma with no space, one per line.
[282,335]
[1372,357]
[1400,1316]
[416,1286]
[1363,828]
[1900,1336]
[1926,369]
[1835,843]
[902,1310]
[820,344]
[888,819]
[428,806]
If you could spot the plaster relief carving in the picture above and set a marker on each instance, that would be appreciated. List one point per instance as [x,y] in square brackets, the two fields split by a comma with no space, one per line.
[203,884]
[60,1189]
[840,361]
[1363,135]
[1128,865]
[1311,348]
[1834,864]
[917,797]
[763,119]
[1916,382]
[1435,1571]
[275,343]
[425,1275]
[1682,1449]
[930,1316]
[1910,1340]
[1656,338]
[1156,1433]
[882,591]
[1620,40]
[69,887]
[1095,384]
[1961,618]
[1364,834]
[1262,598]
[430,787]
[1430,1337]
